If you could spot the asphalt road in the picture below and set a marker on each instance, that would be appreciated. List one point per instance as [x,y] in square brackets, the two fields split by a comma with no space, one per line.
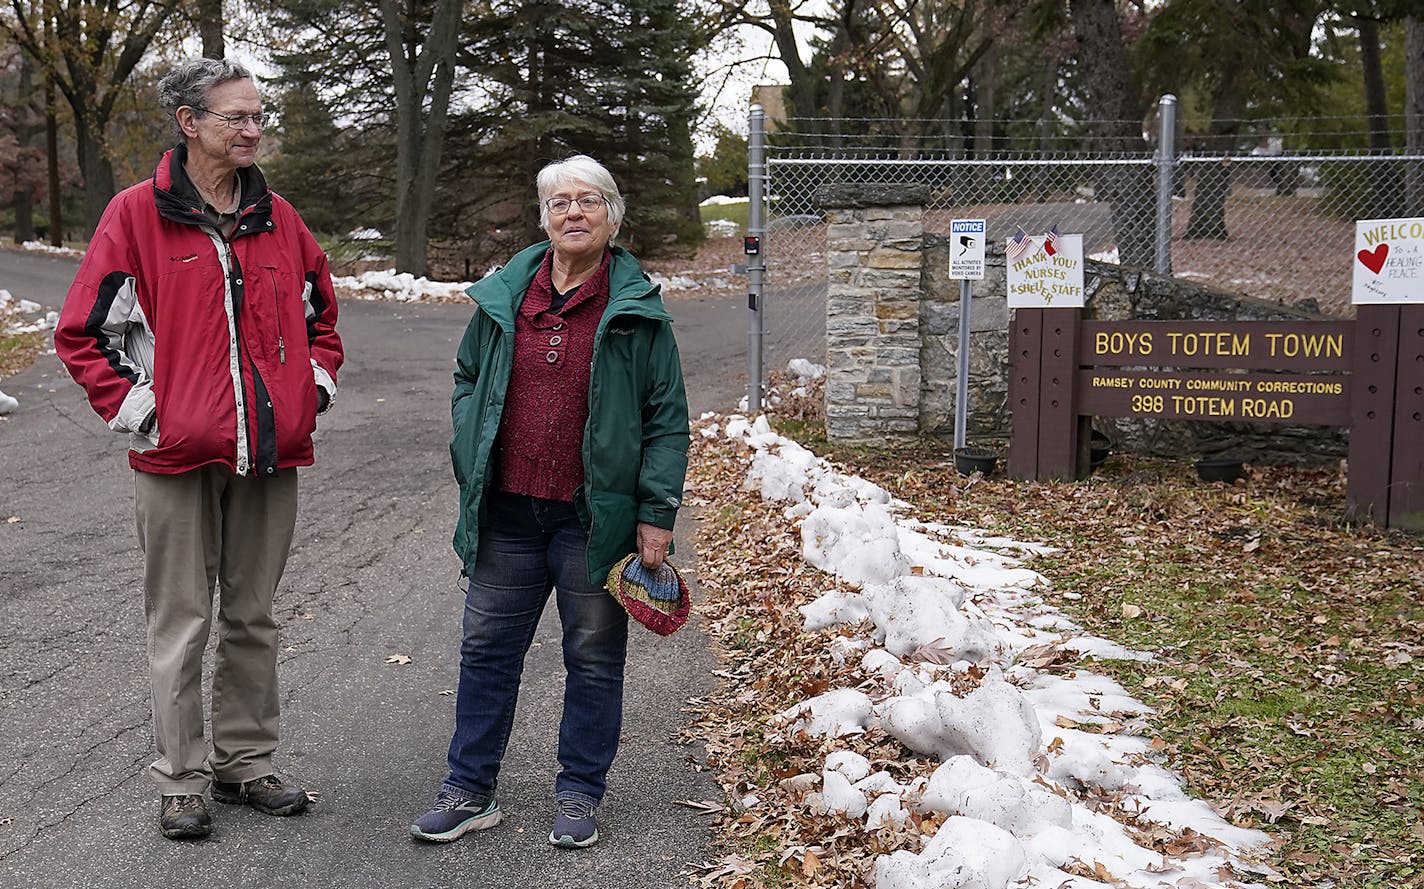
[371,575]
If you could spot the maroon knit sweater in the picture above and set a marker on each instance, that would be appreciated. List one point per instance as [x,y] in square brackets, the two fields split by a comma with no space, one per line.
[539,448]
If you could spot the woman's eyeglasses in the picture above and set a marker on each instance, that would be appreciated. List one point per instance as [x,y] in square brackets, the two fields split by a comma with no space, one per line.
[588,203]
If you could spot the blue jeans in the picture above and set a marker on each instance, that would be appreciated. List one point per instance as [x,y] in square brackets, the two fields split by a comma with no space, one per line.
[529,547]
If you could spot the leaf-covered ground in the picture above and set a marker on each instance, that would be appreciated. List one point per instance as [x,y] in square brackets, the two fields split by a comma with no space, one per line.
[1287,685]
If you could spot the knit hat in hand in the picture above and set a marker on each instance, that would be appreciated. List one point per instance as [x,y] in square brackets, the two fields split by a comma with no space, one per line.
[656,599]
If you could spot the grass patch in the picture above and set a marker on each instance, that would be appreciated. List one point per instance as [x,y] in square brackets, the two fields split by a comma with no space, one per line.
[19,350]
[738,213]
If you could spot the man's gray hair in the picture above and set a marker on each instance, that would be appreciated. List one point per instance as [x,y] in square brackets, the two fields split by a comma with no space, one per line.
[189,81]
[580,169]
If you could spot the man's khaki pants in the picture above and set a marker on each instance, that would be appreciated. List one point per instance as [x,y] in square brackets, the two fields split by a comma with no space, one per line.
[199,528]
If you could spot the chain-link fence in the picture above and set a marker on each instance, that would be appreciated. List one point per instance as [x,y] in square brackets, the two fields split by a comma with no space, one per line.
[1268,222]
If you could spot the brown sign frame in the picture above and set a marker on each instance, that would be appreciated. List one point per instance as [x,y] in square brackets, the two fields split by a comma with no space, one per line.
[1367,374]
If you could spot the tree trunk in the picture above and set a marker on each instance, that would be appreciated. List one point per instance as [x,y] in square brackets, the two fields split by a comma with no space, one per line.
[1376,99]
[210,27]
[24,202]
[56,218]
[23,197]
[1385,186]
[418,73]
[95,167]
[1208,222]
[1414,115]
[1115,105]
[802,91]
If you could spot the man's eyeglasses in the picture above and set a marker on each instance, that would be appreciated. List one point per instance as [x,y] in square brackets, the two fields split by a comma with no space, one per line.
[235,121]
[588,203]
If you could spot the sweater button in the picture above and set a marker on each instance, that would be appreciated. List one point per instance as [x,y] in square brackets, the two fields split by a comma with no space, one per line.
[552,357]
[555,340]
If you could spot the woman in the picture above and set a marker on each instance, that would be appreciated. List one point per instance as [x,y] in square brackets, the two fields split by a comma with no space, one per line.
[570,448]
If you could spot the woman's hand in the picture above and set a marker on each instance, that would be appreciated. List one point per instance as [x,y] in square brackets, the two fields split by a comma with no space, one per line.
[653,545]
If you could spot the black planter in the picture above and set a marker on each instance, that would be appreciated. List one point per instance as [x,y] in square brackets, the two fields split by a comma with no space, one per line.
[1220,469]
[1100,446]
[969,460]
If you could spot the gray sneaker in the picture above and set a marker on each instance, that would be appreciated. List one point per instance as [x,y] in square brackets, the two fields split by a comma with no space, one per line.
[575,825]
[454,816]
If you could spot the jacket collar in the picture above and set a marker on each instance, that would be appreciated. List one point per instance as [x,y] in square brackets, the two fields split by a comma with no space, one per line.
[178,199]
[629,290]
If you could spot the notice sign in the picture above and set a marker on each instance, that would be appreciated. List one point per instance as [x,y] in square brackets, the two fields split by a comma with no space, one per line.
[1046,275]
[1389,261]
[966,249]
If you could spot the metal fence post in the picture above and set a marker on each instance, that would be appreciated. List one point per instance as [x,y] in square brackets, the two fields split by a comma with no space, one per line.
[961,377]
[756,264]
[1166,161]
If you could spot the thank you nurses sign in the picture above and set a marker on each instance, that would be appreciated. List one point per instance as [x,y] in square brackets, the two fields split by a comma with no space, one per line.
[1045,272]
[1389,262]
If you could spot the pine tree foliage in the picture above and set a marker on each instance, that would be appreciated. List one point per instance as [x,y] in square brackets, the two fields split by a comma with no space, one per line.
[607,78]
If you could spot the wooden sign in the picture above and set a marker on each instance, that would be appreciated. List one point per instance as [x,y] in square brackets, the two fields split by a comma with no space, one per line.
[1367,374]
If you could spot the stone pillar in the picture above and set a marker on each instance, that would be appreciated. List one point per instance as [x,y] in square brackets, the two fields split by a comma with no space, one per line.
[875,250]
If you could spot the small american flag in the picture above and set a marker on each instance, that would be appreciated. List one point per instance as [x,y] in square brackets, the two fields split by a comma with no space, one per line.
[1017,245]
[1050,238]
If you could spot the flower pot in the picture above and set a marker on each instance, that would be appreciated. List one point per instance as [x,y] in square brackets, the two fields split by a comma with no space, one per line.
[969,460]
[1100,446]
[1220,469]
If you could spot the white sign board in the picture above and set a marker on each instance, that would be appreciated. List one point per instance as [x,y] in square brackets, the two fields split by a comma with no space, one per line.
[1389,261]
[1047,277]
[966,249]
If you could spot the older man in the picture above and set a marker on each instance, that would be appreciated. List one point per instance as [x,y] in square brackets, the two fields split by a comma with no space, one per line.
[202,325]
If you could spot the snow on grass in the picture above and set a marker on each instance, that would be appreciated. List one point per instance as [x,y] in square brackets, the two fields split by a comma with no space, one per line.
[950,609]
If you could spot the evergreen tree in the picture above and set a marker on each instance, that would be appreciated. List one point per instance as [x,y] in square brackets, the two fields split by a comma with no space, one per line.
[312,165]
[607,78]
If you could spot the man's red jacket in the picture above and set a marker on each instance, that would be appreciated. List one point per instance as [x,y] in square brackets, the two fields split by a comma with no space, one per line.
[206,350]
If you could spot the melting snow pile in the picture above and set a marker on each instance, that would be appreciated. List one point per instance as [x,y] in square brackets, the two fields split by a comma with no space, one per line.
[12,312]
[41,247]
[955,627]
[399,286]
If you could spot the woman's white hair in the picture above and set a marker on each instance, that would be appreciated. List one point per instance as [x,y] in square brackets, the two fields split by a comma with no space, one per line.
[579,169]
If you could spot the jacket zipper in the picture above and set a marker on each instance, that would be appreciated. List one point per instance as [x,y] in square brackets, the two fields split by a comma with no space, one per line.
[277,308]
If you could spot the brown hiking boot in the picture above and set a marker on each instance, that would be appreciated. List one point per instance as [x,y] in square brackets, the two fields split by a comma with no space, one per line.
[266,794]
[184,817]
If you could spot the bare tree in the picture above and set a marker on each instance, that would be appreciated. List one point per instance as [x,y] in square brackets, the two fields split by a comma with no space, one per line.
[1118,111]
[209,14]
[95,47]
[423,73]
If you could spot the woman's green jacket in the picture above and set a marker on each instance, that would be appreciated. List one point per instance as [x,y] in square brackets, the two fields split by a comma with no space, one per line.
[635,442]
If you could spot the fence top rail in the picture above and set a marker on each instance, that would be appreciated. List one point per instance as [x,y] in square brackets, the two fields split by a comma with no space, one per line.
[958,161]
[1316,157]
[1060,159]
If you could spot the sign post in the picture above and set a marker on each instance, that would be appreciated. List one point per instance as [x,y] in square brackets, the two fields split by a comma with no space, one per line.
[966,263]
[1386,480]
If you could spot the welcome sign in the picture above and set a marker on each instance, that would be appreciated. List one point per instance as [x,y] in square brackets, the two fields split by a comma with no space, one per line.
[1389,262]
